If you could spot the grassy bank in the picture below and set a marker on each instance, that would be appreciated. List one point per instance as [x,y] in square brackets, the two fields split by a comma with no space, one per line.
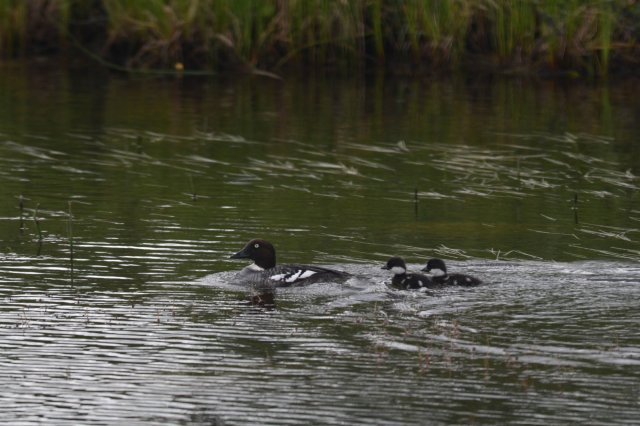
[592,37]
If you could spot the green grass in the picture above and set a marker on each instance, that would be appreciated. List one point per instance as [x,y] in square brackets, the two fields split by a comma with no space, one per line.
[578,36]
[13,26]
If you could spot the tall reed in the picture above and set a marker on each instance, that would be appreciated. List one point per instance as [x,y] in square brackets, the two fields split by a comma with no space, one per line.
[578,35]
[13,26]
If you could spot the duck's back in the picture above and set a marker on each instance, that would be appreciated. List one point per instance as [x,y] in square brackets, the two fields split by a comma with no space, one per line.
[465,280]
[285,275]
[458,280]
[412,281]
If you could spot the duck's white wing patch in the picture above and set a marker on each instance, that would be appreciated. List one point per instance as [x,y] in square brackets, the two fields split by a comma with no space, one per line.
[293,276]
[307,274]
[300,275]
[278,277]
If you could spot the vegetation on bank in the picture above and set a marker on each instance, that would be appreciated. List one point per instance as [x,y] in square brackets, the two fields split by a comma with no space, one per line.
[592,37]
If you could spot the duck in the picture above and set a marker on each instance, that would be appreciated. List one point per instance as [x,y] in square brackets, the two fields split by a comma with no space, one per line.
[439,275]
[265,270]
[406,281]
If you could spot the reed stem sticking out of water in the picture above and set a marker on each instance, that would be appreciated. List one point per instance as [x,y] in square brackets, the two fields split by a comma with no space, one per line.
[194,196]
[37,222]
[70,235]
[21,204]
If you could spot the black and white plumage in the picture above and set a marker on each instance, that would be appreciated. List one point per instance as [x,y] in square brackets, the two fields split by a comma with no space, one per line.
[265,270]
[439,275]
[406,281]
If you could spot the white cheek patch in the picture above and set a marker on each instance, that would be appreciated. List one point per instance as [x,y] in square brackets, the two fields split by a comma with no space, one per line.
[254,267]
[398,270]
[436,272]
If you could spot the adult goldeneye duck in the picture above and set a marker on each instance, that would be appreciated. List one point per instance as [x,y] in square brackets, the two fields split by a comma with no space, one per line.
[265,270]
[403,280]
[439,275]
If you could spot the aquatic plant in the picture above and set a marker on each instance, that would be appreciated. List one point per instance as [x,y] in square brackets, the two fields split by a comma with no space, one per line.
[13,19]
[33,26]
[511,35]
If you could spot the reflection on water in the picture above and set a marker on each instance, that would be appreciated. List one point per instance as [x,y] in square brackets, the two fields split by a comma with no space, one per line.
[531,187]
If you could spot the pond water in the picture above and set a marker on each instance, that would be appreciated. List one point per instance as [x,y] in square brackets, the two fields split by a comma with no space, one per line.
[123,198]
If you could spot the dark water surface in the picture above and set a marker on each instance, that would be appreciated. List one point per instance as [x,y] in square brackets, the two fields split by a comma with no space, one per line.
[532,186]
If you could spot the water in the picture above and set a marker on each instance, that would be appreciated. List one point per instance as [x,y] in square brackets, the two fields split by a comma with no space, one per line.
[531,186]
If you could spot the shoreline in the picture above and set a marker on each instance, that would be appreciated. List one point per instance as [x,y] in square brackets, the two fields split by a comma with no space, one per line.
[591,39]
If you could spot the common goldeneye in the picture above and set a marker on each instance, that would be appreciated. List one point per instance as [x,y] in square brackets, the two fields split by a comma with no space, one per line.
[405,281]
[265,270]
[439,275]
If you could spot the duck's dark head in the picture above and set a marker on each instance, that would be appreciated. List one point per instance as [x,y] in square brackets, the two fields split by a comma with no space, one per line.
[396,265]
[260,251]
[436,267]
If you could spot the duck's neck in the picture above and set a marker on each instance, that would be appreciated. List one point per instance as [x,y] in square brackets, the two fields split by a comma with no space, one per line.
[265,264]
[255,268]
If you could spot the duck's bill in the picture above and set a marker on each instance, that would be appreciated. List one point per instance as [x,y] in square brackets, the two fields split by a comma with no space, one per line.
[242,254]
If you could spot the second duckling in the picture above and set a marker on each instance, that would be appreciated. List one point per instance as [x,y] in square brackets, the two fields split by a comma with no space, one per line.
[439,275]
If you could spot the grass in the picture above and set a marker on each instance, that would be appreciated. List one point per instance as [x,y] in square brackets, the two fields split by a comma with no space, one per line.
[578,36]
[34,26]
[13,26]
